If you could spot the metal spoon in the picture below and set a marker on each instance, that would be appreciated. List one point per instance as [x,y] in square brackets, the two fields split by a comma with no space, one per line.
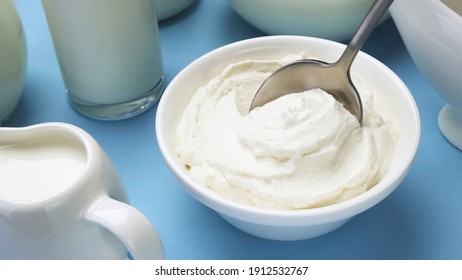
[334,78]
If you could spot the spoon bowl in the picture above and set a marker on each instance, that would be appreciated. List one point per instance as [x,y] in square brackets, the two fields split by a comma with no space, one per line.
[294,78]
[334,78]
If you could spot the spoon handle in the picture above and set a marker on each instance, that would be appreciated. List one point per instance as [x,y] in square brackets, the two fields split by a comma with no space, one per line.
[375,13]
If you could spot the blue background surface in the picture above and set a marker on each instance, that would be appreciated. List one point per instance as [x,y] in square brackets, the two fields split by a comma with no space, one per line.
[420,220]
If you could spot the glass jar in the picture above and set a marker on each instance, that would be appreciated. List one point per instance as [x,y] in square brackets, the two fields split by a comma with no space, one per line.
[13,59]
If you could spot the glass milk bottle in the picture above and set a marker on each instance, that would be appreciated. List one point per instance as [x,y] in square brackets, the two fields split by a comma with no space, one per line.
[13,59]
[109,55]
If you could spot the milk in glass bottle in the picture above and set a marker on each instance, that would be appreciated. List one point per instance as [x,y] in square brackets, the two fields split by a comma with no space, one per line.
[109,55]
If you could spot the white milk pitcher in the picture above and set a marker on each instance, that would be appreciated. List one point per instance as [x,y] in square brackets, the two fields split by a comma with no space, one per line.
[13,59]
[62,198]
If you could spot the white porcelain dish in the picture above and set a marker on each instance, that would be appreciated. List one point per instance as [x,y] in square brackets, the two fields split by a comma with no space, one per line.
[432,33]
[332,19]
[393,98]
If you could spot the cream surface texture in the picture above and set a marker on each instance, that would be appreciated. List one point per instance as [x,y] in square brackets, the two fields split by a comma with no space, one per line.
[302,150]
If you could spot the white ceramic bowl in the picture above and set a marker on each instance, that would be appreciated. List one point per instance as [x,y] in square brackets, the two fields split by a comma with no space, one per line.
[335,20]
[432,33]
[394,99]
[168,8]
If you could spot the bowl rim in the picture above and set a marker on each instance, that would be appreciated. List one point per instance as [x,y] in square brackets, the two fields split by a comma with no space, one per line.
[339,21]
[253,214]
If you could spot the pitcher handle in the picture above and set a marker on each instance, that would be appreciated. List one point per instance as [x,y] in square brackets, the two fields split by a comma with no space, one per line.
[135,231]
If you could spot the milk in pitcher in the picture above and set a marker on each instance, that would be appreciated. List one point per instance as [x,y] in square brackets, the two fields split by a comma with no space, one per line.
[39,169]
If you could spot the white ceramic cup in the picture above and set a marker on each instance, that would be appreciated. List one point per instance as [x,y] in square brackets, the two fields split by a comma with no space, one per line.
[62,198]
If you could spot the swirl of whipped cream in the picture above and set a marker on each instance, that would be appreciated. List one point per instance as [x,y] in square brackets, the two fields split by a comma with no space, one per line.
[302,150]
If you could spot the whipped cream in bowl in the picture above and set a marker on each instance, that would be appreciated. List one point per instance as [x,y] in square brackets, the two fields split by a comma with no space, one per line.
[299,166]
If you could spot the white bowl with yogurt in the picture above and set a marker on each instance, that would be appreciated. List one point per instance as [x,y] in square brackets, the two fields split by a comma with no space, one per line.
[391,98]
[432,34]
